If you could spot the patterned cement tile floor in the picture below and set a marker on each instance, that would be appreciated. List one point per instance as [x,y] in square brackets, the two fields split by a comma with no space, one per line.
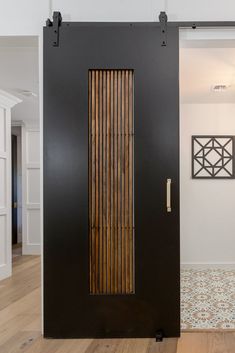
[207,298]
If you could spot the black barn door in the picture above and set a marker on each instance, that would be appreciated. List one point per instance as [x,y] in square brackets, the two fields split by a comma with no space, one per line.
[111,181]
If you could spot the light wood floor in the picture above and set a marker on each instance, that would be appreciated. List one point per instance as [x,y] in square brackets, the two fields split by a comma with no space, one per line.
[20,324]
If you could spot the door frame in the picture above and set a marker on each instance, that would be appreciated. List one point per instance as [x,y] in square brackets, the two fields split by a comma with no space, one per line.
[7,102]
[20,124]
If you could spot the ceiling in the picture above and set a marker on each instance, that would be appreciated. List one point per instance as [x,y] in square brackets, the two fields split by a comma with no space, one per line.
[19,72]
[204,64]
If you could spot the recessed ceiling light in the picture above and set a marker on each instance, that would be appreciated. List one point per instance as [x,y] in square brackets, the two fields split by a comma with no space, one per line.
[220,88]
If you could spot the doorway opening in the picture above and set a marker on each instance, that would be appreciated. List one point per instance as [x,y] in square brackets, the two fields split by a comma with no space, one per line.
[207,130]
[19,151]
[16,190]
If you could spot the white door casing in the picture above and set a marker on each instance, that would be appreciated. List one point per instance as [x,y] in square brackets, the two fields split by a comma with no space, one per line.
[7,102]
[31,226]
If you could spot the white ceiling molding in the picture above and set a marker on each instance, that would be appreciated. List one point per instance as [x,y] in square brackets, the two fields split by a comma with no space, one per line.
[7,100]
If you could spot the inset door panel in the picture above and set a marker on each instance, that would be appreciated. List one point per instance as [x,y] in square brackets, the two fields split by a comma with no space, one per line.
[111,221]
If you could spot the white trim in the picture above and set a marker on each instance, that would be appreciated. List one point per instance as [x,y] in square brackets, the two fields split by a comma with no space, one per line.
[32,165]
[17,123]
[7,100]
[221,263]
[28,247]
[31,249]
[5,271]
[33,206]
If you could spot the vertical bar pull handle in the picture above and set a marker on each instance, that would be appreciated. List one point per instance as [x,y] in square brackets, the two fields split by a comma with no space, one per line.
[168,195]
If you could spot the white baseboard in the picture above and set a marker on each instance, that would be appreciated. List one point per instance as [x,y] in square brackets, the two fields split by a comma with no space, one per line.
[31,249]
[5,272]
[208,264]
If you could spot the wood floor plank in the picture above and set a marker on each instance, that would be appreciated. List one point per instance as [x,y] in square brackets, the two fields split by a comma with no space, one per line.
[104,346]
[11,327]
[20,342]
[193,343]
[137,345]
[75,346]
[23,306]
[229,342]
[19,286]
[168,345]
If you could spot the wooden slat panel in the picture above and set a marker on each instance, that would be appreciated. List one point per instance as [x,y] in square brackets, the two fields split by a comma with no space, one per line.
[111,238]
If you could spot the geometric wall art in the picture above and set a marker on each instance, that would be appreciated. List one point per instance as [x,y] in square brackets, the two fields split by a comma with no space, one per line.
[213,157]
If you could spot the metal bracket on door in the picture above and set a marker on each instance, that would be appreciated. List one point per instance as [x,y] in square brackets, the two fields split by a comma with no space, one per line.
[159,335]
[57,20]
[163,28]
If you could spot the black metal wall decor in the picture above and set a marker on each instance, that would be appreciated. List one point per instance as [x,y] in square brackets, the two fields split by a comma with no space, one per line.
[213,157]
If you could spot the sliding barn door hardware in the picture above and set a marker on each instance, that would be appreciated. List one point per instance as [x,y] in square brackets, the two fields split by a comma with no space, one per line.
[163,28]
[159,335]
[57,20]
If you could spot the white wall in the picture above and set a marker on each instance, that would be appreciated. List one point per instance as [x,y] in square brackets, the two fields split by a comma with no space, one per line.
[18,72]
[207,206]
[31,190]
[27,17]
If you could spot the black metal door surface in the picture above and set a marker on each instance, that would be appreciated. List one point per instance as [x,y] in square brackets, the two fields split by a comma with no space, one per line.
[70,310]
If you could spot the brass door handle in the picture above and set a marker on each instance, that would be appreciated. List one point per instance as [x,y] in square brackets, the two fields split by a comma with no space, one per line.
[168,195]
[15,205]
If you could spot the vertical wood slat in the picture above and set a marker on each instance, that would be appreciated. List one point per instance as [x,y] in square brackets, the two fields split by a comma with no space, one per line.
[100,182]
[108,183]
[104,186]
[93,271]
[123,179]
[111,221]
[131,184]
[119,229]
